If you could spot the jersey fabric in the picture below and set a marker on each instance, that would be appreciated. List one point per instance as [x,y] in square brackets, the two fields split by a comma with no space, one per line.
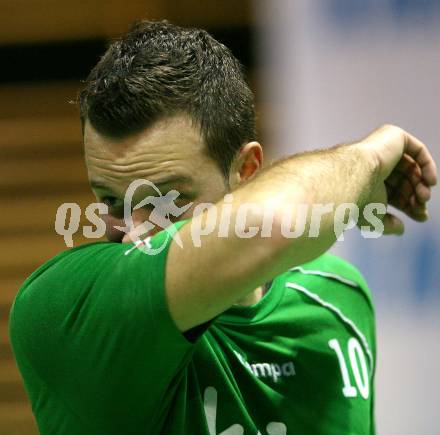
[101,355]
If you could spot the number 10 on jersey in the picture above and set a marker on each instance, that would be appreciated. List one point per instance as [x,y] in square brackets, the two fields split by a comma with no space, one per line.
[358,366]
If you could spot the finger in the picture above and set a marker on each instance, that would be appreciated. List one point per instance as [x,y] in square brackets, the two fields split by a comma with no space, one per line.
[416,210]
[404,198]
[399,194]
[423,193]
[412,174]
[393,225]
[407,164]
[399,202]
[407,168]
[419,214]
[411,207]
[419,152]
[407,183]
[394,179]
[406,187]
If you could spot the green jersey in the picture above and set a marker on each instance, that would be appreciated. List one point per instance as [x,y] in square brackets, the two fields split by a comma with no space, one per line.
[101,355]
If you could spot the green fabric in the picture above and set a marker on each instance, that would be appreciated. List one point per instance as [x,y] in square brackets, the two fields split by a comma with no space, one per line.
[100,354]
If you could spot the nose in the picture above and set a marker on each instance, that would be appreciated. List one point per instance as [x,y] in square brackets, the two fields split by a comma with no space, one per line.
[141,226]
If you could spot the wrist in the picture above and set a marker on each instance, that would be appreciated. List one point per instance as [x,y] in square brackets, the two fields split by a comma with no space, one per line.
[370,166]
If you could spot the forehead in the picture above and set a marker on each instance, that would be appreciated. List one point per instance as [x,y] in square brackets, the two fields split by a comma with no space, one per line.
[170,148]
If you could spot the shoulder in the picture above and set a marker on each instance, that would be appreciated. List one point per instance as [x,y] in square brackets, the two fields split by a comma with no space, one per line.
[96,269]
[89,275]
[57,278]
[335,269]
[92,284]
[65,264]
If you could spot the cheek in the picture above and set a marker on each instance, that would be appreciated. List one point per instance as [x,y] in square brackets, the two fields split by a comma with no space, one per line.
[112,234]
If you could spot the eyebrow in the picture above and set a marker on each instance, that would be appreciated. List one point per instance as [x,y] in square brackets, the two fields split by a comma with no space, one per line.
[96,184]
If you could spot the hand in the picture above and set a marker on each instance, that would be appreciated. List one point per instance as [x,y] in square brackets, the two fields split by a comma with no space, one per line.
[407,172]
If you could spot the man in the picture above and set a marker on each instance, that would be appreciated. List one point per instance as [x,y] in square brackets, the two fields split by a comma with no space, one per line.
[239,334]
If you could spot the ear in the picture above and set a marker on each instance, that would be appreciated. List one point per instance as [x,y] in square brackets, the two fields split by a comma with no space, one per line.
[246,164]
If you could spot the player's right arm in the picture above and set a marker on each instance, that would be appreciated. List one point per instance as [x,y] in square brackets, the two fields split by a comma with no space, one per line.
[202,282]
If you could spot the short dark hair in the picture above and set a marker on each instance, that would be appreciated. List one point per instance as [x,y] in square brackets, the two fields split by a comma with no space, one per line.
[158,69]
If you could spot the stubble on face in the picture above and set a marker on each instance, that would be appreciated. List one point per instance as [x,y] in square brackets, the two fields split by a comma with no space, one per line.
[171,154]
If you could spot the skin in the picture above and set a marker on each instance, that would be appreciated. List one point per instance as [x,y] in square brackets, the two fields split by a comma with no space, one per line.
[202,282]
[172,148]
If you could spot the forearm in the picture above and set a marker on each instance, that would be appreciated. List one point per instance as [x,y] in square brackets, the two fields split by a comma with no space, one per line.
[327,178]
[342,174]
[224,269]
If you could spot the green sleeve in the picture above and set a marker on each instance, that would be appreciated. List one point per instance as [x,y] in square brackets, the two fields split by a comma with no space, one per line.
[92,325]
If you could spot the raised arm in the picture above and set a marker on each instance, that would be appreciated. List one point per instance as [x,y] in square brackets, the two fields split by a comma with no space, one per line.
[202,282]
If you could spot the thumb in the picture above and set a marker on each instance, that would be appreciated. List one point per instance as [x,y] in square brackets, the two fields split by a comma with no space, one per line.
[393,225]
